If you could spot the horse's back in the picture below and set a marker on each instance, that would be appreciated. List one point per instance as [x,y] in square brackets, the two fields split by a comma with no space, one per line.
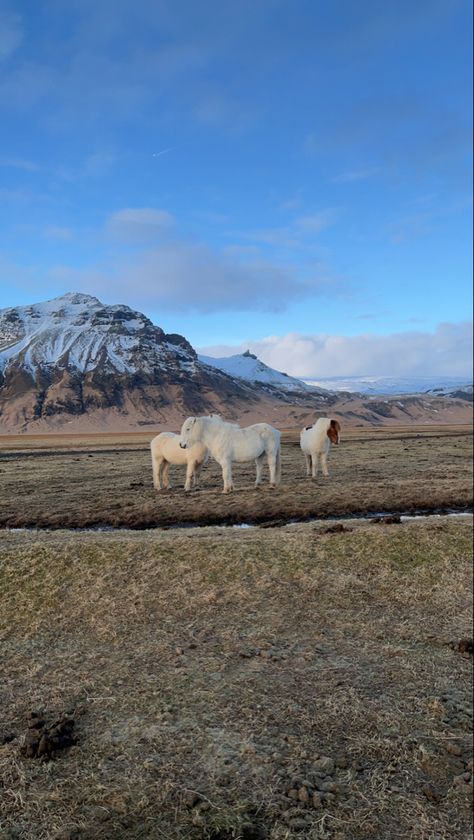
[253,441]
[158,441]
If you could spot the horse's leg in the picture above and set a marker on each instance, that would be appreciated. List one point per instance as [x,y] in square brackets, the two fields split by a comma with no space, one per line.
[259,464]
[278,466]
[157,462]
[166,475]
[272,466]
[308,463]
[196,473]
[324,464]
[314,462]
[189,475]
[227,476]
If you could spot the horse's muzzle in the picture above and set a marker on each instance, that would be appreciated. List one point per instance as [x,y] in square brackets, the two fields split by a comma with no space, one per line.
[182,445]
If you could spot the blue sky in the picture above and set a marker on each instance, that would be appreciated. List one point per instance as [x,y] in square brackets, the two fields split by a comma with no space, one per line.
[274,174]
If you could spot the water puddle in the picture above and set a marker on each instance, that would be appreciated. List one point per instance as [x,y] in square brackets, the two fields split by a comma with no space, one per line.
[245,526]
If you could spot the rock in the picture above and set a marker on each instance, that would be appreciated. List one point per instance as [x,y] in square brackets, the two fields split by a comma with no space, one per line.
[293,793]
[45,747]
[30,747]
[7,738]
[329,797]
[303,795]
[36,723]
[465,645]
[453,749]
[191,799]
[198,820]
[461,780]
[338,528]
[316,800]
[298,824]
[431,793]
[341,762]
[204,806]
[324,765]
[330,787]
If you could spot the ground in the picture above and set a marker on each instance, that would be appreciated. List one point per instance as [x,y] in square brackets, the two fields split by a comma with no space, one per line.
[107,481]
[266,683]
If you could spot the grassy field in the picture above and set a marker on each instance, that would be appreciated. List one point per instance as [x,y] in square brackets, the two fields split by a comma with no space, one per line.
[105,480]
[240,683]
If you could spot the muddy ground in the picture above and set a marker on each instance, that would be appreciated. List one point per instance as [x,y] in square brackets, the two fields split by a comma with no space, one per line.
[74,482]
[262,684]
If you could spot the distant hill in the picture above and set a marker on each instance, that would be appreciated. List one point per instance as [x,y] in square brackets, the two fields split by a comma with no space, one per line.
[392,386]
[248,367]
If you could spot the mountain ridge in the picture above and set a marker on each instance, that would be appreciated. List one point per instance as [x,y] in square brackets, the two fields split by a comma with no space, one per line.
[74,364]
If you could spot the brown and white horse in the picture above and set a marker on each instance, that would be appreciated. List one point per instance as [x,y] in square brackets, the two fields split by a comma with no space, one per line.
[315,441]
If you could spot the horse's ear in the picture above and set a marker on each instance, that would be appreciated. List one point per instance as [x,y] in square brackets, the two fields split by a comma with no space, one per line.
[336,425]
[194,420]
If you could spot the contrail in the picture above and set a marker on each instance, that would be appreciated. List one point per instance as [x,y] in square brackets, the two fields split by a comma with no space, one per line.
[163,152]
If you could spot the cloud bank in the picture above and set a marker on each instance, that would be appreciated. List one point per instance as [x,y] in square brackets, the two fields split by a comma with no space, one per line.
[148,260]
[445,352]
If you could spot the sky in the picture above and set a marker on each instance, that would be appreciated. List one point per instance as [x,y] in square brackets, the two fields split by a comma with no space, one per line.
[291,176]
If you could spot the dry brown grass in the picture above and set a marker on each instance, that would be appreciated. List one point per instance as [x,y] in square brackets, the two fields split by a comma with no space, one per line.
[224,662]
[105,480]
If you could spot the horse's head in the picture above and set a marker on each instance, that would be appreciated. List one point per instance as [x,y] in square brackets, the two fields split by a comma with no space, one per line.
[187,430]
[333,431]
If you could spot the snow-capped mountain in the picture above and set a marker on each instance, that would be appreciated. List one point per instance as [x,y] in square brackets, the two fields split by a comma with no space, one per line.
[77,332]
[76,357]
[248,367]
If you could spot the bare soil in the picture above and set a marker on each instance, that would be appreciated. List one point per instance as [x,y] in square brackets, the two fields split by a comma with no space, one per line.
[105,480]
[263,684]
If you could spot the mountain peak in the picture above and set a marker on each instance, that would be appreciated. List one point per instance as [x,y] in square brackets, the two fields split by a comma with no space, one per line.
[76,298]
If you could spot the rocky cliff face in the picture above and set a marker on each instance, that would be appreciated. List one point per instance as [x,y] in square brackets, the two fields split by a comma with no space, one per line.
[74,356]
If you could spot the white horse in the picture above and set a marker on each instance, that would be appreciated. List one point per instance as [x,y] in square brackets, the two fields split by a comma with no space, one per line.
[227,442]
[165,450]
[315,441]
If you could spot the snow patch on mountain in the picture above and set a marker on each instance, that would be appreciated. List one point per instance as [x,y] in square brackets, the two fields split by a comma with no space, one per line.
[248,367]
[77,331]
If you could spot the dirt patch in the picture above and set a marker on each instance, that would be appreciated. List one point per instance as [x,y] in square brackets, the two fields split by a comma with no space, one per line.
[45,741]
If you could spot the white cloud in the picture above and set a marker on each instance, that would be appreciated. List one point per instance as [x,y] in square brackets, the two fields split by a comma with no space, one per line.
[317,222]
[298,232]
[446,352]
[19,163]
[135,223]
[11,35]
[57,232]
[189,276]
[355,175]
[169,270]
